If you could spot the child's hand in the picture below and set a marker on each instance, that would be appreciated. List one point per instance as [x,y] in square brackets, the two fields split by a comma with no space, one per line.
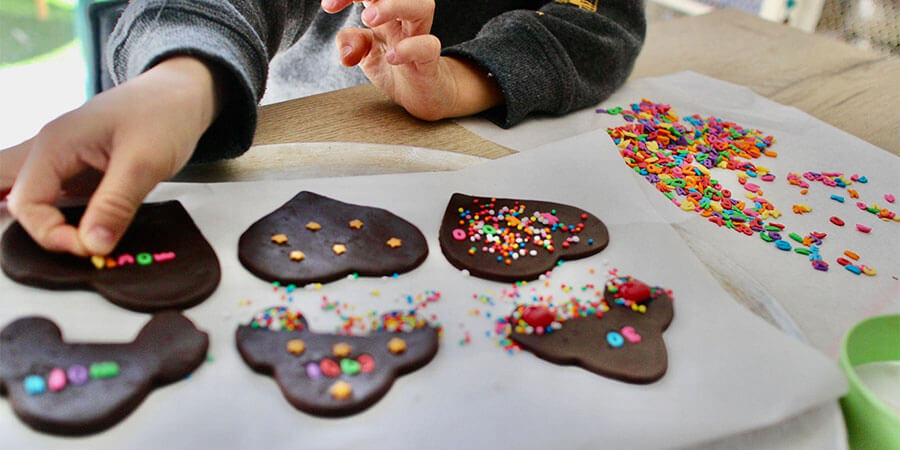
[137,134]
[401,58]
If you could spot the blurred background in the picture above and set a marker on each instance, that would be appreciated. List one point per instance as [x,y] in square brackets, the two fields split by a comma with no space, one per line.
[47,63]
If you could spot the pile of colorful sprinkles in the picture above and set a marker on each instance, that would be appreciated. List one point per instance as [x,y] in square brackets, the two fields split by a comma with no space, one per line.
[277,318]
[511,232]
[677,157]
[408,319]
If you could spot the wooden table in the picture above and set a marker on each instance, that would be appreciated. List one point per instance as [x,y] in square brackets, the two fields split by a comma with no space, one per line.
[854,90]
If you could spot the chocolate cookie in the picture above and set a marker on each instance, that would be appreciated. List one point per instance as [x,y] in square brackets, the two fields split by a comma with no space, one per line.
[511,240]
[162,262]
[312,238]
[77,389]
[334,375]
[621,338]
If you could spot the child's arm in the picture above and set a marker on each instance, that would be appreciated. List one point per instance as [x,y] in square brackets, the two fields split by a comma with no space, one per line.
[137,135]
[185,60]
[567,55]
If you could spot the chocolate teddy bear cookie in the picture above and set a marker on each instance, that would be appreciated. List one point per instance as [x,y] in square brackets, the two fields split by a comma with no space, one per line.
[162,262]
[334,375]
[78,389]
[619,338]
[312,238]
[510,240]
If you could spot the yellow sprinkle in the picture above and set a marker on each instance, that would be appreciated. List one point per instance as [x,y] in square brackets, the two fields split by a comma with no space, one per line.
[397,345]
[296,346]
[341,390]
[341,349]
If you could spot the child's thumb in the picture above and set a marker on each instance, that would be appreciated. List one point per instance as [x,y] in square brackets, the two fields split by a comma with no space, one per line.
[112,207]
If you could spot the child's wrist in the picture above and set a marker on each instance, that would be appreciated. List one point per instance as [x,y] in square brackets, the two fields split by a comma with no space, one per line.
[196,79]
[476,89]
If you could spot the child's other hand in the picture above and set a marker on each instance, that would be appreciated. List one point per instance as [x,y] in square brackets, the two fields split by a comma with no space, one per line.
[136,135]
[401,58]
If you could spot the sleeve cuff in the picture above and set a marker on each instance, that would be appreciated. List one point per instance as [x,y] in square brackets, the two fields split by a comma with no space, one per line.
[152,34]
[529,80]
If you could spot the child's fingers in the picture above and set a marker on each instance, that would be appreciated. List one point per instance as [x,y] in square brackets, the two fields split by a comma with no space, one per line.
[422,50]
[333,6]
[36,190]
[354,44]
[131,175]
[418,14]
[11,161]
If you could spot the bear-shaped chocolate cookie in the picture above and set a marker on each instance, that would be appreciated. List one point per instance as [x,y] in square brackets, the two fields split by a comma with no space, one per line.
[510,240]
[621,338]
[76,389]
[162,262]
[334,375]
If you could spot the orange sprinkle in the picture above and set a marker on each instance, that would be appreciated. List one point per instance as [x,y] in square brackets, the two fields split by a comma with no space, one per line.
[770,153]
[803,192]
[853,193]
[851,255]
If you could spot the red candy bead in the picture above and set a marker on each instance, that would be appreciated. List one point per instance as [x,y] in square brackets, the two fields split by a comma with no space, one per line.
[366,363]
[635,291]
[538,316]
[837,221]
[330,368]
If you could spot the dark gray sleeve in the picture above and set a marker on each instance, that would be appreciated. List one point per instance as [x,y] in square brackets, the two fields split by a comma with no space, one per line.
[239,36]
[558,59]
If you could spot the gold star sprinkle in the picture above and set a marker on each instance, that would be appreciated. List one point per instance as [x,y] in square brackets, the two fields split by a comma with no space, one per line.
[313,226]
[356,224]
[397,345]
[296,346]
[341,349]
[394,242]
[339,249]
[341,390]
[279,238]
[297,255]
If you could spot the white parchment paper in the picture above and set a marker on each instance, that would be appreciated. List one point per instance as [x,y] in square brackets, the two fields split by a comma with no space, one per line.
[729,371]
[817,307]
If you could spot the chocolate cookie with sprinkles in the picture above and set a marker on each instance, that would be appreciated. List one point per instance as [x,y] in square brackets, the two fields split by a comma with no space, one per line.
[510,240]
[333,375]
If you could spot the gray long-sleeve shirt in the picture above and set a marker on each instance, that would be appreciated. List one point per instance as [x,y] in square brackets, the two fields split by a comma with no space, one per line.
[547,57]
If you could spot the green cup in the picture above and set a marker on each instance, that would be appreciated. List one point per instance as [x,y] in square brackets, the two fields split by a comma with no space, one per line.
[871,423]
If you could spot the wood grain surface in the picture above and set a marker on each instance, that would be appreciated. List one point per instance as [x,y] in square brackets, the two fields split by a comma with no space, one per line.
[854,90]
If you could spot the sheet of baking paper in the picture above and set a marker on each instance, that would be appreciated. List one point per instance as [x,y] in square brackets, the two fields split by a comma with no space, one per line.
[729,371]
[815,306]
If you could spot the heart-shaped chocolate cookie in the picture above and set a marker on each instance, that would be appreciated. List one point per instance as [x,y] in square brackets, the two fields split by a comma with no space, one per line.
[162,262]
